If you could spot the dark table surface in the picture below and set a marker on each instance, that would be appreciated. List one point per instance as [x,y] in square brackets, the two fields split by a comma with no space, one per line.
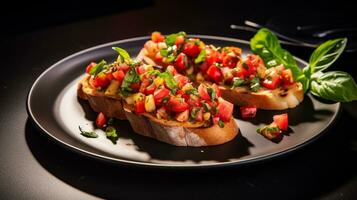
[34,167]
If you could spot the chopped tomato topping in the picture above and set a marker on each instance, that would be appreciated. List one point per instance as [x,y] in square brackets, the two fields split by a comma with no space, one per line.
[191,49]
[123,67]
[225,110]
[119,75]
[272,80]
[181,80]
[139,107]
[215,73]
[287,76]
[171,69]
[157,37]
[248,111]
[101,120]
[181,62]
[150,89]
[140,69]
[281,121]
[135,86]
[100,80]
[202,91]
[177,105]
[179,40]
[160,94]
[90,66]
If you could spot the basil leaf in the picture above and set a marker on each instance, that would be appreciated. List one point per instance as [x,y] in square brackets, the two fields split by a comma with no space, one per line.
[88,134]
[124,55]
[211,93]
[171,39]
[164,52]
[220,123]
[192,91]
[326,54]
[201,57]
[169,80]
[130,77]
[267,46]
[335,86]
[193,113]
[238,82]
[98,68]
[111,134]
[255,84]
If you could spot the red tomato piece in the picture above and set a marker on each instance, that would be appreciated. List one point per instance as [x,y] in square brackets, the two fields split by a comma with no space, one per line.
[181,80]
[248,111]
[225,110]
[171,69]
[191,49]
[139,107]
[90,66]
[177,105]
[110,76]
[100,80]
[144,84]
[287,76]
[181,62]
[230,61]
[272,82]
[179,40]
[160,94]
[215,73]
[119,75]
[281,121]
[123,67]
[150,89]
[101,120]
[199,116]
[140,69]
[216,89]
[202,91]
[157,37]
[135,86]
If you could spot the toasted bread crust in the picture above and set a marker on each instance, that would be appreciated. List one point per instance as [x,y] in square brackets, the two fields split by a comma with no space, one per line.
[278,99]
[171,132]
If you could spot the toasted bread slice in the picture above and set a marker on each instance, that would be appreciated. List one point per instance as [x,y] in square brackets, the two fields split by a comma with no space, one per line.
[110,106]
[277,99]
[168,131]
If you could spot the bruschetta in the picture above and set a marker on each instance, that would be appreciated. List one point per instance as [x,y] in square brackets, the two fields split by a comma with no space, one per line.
[244,80]
[163,105]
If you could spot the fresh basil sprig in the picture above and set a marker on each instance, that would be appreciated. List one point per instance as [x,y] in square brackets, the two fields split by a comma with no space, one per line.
[130,77]
[98,68]
[88,134]
[171,39]
[111,134]
[123,55]
[201,57]
[333,85]
[169,80]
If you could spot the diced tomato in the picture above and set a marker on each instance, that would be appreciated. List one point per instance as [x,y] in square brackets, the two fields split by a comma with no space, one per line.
[281,121]
[227,74]
[215,120]
[215,73]
[139,107]
[160,94]
[179,40]
[287,76]
[119,75]
[158,57]
[177,105]
[157,37]
[248,111]
[150,89]
[144,84]
[140,69]
[135,86]
[90,66]
[191,49]
[123,67]
[193,102]
[225,110]
[272,81]
[110,76]
[241,71]
[204,67]
[101,120]
[230,61]
[181,80]
[181,62]
[199,116]
[252,61]
[171,69]
[211,56]
[100,80]
[202,91]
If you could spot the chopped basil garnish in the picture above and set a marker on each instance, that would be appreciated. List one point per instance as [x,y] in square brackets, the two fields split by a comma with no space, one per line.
[169,80]
[130,77]
[124,55]
[171,39]
[88,134]
[211,93]
[205,106]
[220,123]
[192,91]
[238,82]
[254,84]
[98,68]
[201,57]
[193,113]
[111,134]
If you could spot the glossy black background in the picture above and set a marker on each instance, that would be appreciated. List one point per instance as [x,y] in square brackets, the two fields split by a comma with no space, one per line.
[35,35]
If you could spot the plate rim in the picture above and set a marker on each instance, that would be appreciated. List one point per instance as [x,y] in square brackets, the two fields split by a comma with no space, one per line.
[257,159]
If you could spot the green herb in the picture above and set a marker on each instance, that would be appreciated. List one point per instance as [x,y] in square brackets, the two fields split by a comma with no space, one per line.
[255,84]
[88,134]
[205,107]
[192,91]
[335,86]
[124,55]
[165,99]
[130,77]
[201,57]
[170,58]
[211,93]
[154,72]
[110,121]
[98,68]
[111,134]
[164,52]
[193,113]
[326,54]
[169,80]
[171,39]
[268,129]
[238,82]
[220,123]
[267,46]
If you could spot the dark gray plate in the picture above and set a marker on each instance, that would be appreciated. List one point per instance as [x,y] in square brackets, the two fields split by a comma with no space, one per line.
[53,106]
